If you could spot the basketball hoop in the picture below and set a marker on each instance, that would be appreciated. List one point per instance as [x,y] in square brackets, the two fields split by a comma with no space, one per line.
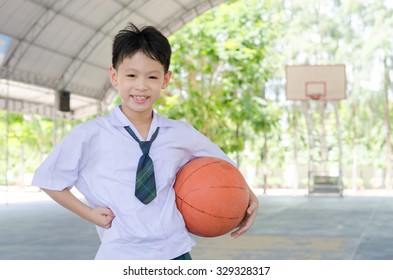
[315,89]
[315,82]
[315,96]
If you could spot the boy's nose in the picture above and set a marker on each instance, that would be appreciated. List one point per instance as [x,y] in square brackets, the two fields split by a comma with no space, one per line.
[141,84]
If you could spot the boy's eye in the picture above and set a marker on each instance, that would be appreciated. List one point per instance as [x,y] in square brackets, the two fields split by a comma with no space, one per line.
[131,75]
[153,77]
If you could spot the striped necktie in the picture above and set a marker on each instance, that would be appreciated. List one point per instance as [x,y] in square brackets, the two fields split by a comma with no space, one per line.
[145,186]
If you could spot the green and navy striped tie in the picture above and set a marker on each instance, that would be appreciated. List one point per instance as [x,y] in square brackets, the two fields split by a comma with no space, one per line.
[145,186]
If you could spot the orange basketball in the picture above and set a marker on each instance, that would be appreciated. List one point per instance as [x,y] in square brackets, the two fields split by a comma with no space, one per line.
[212,195]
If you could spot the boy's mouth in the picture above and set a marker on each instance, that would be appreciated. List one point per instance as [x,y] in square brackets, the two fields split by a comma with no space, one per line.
[139,97]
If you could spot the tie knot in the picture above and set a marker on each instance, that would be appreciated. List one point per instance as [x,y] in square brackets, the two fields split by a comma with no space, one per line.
[145,146]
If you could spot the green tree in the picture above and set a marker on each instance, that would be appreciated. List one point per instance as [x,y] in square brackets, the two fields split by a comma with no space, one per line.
[220,64]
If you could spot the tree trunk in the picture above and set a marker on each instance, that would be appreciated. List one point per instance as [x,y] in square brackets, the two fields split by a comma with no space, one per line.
[388,144]
[295,184]
[354,165]
[237,139]
[265,168]
[21,174]
[340,147]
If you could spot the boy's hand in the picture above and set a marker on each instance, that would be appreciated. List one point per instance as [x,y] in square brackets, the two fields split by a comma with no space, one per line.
[249,218]
[102,217]
[99,216]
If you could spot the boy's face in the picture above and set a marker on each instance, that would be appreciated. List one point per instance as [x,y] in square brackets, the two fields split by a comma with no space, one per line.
[139,80]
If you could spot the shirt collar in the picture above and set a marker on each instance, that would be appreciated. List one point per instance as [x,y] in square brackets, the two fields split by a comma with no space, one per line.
[117,118]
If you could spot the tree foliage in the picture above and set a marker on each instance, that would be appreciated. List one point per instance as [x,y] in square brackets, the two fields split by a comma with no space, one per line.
[219,74]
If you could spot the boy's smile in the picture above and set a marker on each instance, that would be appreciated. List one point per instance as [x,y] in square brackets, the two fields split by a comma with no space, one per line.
[139,99]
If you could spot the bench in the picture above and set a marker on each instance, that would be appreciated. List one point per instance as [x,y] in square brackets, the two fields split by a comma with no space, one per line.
[326,185]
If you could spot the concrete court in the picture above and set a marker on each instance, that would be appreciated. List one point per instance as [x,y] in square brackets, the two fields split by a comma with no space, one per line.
[287,228]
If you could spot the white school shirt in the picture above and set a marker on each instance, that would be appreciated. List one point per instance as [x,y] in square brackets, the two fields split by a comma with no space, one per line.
[100,159]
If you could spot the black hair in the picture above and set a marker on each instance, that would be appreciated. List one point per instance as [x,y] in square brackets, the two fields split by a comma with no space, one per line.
[147,39]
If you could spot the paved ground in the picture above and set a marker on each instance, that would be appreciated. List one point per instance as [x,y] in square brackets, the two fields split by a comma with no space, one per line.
[287,228]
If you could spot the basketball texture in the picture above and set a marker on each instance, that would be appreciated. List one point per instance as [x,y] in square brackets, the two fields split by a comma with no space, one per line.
[212,195]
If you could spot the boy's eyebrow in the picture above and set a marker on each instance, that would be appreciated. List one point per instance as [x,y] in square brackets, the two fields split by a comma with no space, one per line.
[149,72]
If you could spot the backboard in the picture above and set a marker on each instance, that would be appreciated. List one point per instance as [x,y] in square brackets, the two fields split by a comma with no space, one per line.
[315,82]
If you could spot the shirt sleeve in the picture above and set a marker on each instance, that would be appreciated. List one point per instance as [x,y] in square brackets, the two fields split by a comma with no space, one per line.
[61,168]
[204,147]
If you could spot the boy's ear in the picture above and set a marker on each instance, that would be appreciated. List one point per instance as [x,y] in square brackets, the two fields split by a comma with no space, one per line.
[167,78]
[113,76]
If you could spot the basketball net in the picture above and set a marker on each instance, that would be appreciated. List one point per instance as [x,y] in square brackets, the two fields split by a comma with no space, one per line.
[314,96]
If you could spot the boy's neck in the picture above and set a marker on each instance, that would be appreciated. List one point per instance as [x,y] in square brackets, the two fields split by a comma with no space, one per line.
[141,121]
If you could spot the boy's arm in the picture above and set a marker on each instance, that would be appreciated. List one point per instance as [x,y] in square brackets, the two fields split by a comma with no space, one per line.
[99,216]
[250,216]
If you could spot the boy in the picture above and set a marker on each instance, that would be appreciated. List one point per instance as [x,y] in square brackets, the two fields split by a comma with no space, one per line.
[100,158]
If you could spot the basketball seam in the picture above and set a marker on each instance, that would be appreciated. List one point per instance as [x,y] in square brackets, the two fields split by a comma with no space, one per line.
[235,187]
[196,171]
[216,216]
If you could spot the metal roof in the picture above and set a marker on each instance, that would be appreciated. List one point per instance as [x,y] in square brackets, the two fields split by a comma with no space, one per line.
[55,45]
